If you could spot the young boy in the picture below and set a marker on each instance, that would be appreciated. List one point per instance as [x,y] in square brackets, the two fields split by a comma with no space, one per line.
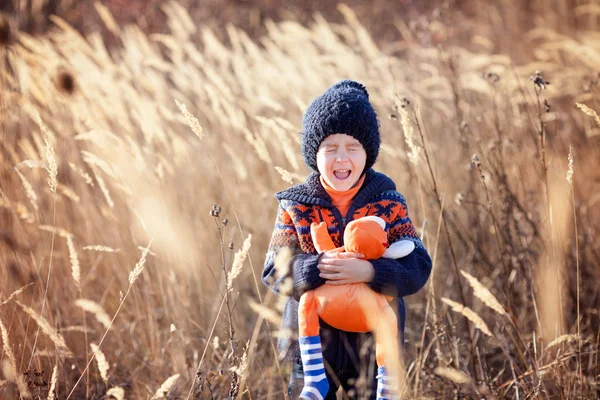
[340,142]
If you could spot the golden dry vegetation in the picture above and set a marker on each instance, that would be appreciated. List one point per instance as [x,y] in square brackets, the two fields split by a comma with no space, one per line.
[136,202]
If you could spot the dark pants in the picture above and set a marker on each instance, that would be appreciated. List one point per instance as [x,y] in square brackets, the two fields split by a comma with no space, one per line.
[349,362]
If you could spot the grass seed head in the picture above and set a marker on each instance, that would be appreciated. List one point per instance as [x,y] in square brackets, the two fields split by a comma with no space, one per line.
[469,314]
[101,360]
[163,391]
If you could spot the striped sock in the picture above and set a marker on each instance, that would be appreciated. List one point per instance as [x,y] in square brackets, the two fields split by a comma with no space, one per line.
[315,380]
[384,385]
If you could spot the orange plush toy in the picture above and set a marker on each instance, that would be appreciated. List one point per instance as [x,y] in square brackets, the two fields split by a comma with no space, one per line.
[345,307]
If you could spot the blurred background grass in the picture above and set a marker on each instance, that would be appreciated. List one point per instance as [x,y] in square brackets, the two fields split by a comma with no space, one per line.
[104,78]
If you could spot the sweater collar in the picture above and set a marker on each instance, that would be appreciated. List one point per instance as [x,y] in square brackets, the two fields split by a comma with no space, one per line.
[312,192]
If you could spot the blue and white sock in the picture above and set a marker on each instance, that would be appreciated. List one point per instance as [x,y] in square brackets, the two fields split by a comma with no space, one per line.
[384,385]
[315,380]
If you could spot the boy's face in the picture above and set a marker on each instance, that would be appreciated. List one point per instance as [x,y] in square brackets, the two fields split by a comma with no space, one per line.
[341,160]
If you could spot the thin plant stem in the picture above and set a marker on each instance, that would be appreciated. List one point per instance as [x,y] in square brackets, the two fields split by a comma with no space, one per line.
[101,340]
[430,304]
[212,330]
[580,366]
[448,238]
[37,332]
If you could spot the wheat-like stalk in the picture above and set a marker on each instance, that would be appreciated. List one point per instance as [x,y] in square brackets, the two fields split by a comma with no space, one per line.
[96,309]
[31,194]
[23,213]
[15,293]
[483,294]
[139,266]
[18,378]
[76,328]
[101,360]
[452,375]
[56,337]
[88,179]
[285,175]
[409,132]
[562,339]
[56,230]
[104,189]
[6,344]
[94,161]
[192,121]
[469,314]
[265,312]
[589,112]
[101,248]
[51,166]
[4,200]
[68,193]
[30,164]
[570,168]
[259,146]
[107,17]
[51,353]
[11,374]
[163,390]
[283,259]
[53,383]
[238,262]
[75,268]
[117,392]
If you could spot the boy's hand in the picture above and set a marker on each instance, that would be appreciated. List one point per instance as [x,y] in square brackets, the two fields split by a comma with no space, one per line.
[345,268]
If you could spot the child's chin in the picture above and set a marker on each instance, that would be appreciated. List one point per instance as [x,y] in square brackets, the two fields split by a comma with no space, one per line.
[342,186]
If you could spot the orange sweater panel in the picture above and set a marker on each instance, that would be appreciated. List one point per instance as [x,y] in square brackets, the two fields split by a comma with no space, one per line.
[342,200]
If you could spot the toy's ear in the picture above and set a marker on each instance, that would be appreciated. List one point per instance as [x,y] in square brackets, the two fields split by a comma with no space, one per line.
[399,249]
[320,236]
[377,219]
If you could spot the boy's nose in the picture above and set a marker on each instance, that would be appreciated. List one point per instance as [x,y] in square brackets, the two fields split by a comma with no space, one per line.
[341,156]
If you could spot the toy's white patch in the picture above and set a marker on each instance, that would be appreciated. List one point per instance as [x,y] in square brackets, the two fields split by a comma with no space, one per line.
[377,219]
[400,249]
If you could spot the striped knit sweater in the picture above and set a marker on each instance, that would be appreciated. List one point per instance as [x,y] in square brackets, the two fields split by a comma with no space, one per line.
[309,202]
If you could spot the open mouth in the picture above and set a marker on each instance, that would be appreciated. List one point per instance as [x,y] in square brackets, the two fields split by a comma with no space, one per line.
[342,174]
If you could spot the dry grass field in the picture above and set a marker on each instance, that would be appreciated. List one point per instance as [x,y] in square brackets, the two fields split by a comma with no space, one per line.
[136,200]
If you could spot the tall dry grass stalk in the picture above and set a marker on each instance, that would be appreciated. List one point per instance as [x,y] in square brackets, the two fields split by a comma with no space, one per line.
[285,175]
[133,275]
[164,389]
[11,371]
[11,374]
[53,381]
[96,309]
[50,154]
[31,194]
[45,326]
[471,315]
[116,392]
[101,248]
[238,262]
[102,363]
[483,294]
[192,121]
[75,267]
[15,294]
[589,112]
